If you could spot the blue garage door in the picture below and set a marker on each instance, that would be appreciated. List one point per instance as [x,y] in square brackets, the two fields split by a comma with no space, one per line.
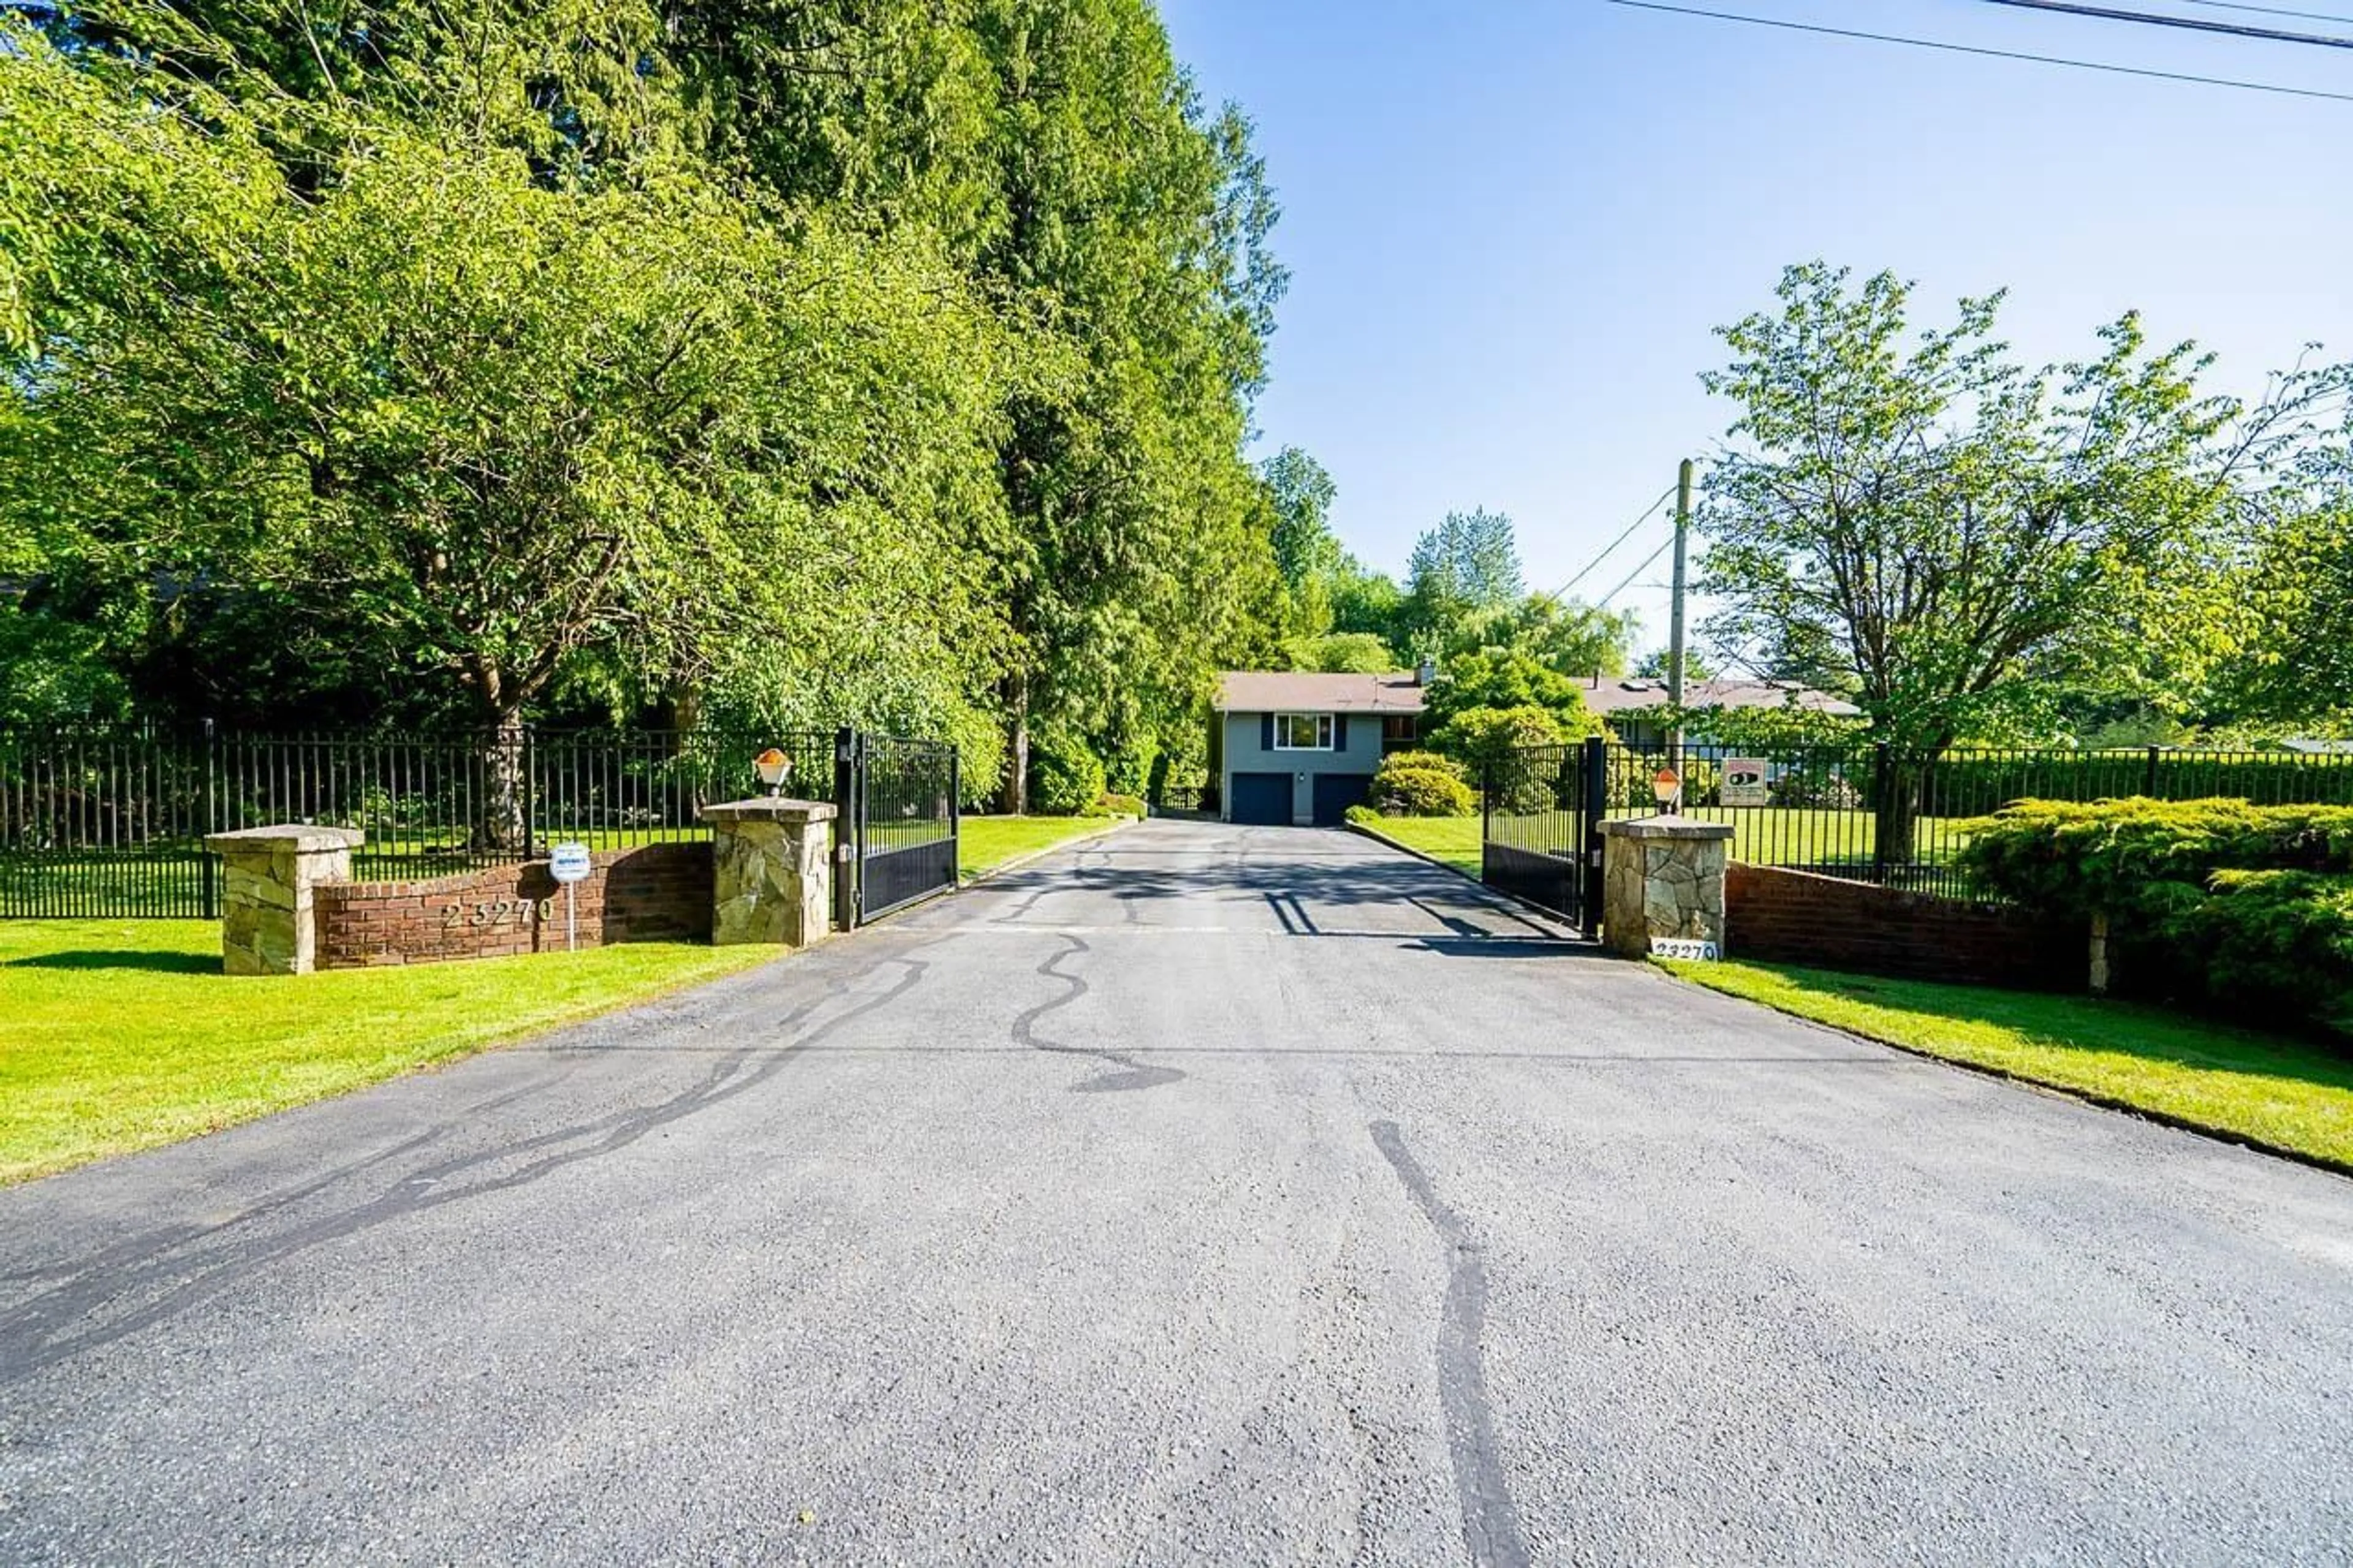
[1260,800]
[1335,792]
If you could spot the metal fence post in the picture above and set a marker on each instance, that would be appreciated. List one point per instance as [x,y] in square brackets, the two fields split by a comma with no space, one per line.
[1883,814]
[1594,805]
[209,894]
[846,793]
[530,764]
[1486,819]
[955,817]
[2149,787]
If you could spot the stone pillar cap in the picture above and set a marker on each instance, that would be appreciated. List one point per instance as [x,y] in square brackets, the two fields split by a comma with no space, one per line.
[769,809]
[302,838]
[1666,828]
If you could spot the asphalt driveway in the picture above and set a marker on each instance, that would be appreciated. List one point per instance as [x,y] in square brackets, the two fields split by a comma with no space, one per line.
[1205,1192]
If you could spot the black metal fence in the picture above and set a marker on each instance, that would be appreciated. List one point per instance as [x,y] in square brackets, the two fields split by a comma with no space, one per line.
[1885,815]
[104,824]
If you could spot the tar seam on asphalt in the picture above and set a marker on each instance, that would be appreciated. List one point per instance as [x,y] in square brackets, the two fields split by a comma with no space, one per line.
[56,1324]
[1137,1075]
[1491,1525]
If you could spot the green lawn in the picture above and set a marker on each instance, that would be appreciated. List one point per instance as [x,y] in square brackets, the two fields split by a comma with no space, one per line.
[1453,839]
[122,1034]
[2281,1093]
[984,843]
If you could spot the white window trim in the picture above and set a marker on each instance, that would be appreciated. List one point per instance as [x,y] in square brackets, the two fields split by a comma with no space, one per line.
[1325,729]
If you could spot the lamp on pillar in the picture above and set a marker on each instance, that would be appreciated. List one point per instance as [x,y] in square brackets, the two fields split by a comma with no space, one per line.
[1667,785]
[772,767]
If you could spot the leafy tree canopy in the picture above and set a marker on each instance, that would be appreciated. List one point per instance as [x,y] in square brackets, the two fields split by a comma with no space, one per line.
[1957,536]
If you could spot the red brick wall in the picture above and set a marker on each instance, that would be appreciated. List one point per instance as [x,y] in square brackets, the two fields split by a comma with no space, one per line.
[1795,916]
[659,892]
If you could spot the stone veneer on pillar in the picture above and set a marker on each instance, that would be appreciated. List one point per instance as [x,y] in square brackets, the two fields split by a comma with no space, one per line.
[1663,881]
[268,925]
[772,865]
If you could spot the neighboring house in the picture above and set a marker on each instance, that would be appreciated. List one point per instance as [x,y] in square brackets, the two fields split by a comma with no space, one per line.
[1621,704]
[1302,747]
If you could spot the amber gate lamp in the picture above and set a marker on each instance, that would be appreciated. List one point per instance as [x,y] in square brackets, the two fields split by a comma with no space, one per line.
[1668,785]
[773,765]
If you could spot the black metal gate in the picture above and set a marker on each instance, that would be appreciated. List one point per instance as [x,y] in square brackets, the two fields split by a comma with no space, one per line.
[1541,835]
[898,839]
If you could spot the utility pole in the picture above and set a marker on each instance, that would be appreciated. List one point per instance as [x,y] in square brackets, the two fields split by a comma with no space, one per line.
[1675,614]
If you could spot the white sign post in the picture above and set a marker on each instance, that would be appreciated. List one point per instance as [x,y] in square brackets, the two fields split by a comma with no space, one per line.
[569,863]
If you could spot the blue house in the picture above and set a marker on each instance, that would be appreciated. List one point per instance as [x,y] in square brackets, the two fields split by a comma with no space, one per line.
[1299,747]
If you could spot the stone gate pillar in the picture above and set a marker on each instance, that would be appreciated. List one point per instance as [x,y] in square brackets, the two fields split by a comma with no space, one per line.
[772,864]
[268,926]
[1663,883]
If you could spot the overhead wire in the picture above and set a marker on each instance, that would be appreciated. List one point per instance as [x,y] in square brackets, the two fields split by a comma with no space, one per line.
[2269,11]
[2103,65]
[1603,603]
[1553,597]
[2190,24]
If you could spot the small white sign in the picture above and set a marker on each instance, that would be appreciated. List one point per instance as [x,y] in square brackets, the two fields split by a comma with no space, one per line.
[568,862]
[1746,782]
[1683,947]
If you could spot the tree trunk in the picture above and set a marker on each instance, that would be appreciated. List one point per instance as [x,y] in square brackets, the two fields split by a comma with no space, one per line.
[1015,795]
[1898,777]
[503,822]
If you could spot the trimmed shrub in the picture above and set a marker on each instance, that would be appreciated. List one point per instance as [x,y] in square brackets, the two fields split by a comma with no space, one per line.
[1065,776]
[1420,792]
[2276,943]
[1364,816]
[2134,855]
[1112,803]
[2214,901]
[1435,762]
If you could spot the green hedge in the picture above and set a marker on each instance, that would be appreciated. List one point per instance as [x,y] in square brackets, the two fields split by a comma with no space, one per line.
[2274,942]
[2217,900]
[2122,855]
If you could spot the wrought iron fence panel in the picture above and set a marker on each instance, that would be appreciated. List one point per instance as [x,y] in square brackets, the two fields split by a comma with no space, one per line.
[108,823]
[1898,817]
[903,819]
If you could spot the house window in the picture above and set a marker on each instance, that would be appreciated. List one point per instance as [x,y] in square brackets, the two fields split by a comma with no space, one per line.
[1302,731]
[1399,730]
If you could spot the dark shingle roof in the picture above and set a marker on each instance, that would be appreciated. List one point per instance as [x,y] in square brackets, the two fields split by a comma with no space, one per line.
[1306,691]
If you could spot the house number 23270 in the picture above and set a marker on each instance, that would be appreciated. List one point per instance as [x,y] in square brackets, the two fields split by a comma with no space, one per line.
[494,913]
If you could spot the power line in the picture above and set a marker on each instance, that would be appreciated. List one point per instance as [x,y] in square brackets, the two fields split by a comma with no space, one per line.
[2269,11]
[2191,23]
[1991,54]
[1553,597]
[1603,603]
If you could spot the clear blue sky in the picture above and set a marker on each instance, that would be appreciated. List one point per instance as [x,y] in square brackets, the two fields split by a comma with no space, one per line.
[1513,224]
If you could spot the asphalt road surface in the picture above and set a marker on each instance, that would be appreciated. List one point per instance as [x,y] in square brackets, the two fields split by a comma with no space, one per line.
[1202,1195]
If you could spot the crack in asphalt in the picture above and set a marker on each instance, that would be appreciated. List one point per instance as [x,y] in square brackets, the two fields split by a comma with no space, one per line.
[39,1332]
[1491,1524]
[1135,1074]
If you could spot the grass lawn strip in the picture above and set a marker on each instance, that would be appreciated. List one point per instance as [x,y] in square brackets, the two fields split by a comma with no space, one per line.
[1451,841]
[987,846]
[2275,1093]
[123,1035]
